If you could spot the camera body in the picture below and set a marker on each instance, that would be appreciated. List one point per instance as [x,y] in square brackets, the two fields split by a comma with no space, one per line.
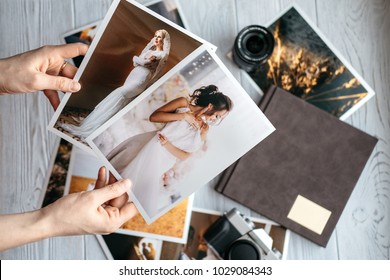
[234,237]
[252,47]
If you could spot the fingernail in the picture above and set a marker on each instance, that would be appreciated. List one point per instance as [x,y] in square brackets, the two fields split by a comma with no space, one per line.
[127,183]
[75,86]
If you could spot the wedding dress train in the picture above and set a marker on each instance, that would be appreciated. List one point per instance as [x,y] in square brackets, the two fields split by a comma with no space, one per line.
[144,160]
[136,82]
[148,67]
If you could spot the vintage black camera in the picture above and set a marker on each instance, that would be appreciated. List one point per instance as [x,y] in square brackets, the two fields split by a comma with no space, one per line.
[234,237]
[252,47]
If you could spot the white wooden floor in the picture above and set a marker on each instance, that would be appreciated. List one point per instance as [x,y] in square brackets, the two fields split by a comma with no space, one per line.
[360,31]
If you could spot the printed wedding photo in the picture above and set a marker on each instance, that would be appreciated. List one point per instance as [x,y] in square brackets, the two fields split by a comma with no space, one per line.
[182,135]
[131,50]
[169,9]
[307,65]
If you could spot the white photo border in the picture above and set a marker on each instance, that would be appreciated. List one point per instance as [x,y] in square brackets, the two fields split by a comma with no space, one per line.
[104,247]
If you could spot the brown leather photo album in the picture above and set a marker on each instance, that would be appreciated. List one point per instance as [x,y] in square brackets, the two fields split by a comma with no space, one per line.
[303,174]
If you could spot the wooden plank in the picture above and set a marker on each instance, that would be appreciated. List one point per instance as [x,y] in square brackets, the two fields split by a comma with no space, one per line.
[303,249]
[97,9]
[67,248]
[309,7]
[215,22]
[358,31]
[26,144]
[93,250]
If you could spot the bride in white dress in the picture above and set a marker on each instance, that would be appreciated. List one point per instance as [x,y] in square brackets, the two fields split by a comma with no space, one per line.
[146,157]
[147,69]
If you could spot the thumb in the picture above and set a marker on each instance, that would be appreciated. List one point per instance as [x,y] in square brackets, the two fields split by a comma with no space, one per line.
[57,83]
[112,191]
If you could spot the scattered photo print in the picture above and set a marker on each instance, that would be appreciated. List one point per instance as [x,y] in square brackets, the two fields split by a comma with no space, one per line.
[305,64]
[201,220]
[82,35]
[166,8]
[132,49]
[125,247]
[121,247]
[182,135]
[83,170]
[58,171]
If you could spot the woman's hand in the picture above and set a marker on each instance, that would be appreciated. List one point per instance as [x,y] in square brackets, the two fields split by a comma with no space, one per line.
[102,210]
[101,182]
[191,119]
[175,151]
[136,61]
[152,58]
[162,139]
[42,69]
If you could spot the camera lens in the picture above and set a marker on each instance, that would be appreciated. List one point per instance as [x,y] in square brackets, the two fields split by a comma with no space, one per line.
[252,47]
[243,250]
[254,44]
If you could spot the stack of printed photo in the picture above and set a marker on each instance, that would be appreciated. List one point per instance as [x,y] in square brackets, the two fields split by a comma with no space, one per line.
[156,106]
[119,246]
[178,234]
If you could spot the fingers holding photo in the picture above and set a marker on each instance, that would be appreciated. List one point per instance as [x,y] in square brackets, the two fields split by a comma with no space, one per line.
[42,69]
[102,181]
[114,204]
[56,72]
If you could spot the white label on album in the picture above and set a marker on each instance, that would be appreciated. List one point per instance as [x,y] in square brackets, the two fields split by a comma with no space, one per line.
[309,214]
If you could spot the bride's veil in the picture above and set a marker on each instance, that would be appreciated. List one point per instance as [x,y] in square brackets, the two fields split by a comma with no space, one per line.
[164,56]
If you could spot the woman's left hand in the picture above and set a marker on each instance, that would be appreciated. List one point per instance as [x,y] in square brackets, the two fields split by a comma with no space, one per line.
[100,211]
[163,140]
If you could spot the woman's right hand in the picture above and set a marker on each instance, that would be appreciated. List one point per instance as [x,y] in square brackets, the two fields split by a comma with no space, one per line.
[136,61]
[191,119]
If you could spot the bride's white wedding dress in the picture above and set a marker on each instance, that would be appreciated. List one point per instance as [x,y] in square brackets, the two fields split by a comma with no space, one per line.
[147,69]
[144,160]
[137,81]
